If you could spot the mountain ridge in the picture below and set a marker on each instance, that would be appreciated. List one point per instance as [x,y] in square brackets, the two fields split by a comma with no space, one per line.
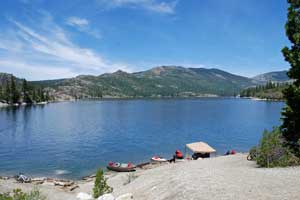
[157,82]
[276,76]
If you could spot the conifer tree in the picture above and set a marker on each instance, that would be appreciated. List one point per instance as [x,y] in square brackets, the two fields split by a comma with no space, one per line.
[25,92]
[34,95]
[7,92]
[1,93]
[100,186]
[14,91]
[291,113]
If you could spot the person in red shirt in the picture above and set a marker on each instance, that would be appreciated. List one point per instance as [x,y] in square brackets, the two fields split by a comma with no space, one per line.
[178,154]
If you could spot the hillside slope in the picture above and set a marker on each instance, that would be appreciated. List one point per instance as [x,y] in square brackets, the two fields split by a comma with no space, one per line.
[271,91]
[279,76]
[165,81]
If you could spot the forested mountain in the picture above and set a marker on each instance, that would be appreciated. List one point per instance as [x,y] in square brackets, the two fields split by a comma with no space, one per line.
[271,90]
[165,81]
[16,91]
[270,86]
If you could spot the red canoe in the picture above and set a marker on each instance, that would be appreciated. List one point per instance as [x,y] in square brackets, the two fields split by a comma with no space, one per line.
[121,167]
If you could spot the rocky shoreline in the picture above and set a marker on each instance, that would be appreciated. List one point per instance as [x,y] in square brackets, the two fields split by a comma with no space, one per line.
[67,187]
[3,104]
[23,104]
[260,99]
[224,177]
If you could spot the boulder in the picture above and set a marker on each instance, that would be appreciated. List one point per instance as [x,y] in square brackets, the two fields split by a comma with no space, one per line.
[106,197]
[84,196]
[3,104]
[127,196]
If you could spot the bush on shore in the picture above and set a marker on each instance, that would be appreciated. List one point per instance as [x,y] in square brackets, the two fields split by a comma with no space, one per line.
[101,186]
[17,194]
[272,151]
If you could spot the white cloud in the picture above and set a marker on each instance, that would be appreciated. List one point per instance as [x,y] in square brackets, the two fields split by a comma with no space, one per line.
[44,50]
[151,5]
[76,21]
[35,71]
[83,25]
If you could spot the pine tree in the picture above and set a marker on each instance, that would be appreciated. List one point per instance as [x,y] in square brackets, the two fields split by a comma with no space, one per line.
[25,91]
[7,92]
[14,91]
[47,96]
[34,95]
[291,113]
[1,93]
[100,186]
[40,95]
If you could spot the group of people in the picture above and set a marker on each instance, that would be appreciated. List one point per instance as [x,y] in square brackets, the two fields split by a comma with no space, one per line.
[179,156]
[230,152]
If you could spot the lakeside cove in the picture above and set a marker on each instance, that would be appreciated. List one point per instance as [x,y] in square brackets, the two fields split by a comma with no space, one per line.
[223,177]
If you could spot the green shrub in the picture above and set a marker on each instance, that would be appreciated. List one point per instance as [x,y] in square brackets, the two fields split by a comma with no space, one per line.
[35,194]
[252,153]
[101,186]
[271,151]
[19,195]
[5,196]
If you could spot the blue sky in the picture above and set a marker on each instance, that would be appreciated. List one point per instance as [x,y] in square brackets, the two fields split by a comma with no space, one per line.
[43,39]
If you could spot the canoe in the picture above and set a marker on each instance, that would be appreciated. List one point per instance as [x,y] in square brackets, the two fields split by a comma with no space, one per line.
[158,159]
[121,167]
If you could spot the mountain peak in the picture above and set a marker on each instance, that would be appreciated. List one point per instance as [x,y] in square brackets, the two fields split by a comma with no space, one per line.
[4,77]
[162,69]
[120,73]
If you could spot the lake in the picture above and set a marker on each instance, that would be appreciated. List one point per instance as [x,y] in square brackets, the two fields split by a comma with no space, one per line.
[73,139]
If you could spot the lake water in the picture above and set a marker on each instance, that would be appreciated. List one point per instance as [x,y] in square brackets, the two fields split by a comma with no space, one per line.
[73,139]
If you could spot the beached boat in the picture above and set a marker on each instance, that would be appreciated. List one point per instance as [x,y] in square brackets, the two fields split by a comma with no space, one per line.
[158,159]
[121,167]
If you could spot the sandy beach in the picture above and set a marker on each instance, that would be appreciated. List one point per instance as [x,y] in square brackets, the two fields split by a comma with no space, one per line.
[225,177]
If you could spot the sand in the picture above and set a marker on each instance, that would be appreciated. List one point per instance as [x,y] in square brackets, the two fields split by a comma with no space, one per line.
[225,177]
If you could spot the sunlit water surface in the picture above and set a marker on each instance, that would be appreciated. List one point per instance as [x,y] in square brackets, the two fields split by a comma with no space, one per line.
[73,139]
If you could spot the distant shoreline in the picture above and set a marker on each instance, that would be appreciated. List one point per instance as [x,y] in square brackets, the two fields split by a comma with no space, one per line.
[5,105]
[263,99]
